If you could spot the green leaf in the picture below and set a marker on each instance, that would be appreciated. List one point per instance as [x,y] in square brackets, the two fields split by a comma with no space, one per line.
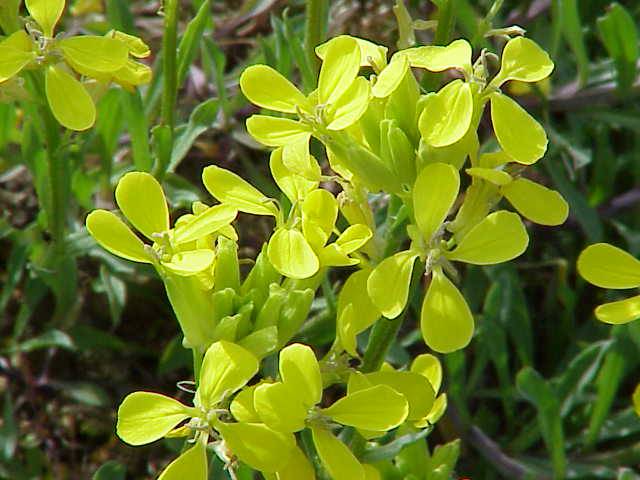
[192,464]
[267,88]
[607,384]
[379,408]
[202,118]
[70,102]
[508,119]
[229,188]
[573,32]
[291,255]
[434,193]
[500,237]
[388,284]
[446,116]
[445,320]
[340,463]
[141,199]
[339,69]
[539,393]
[257,445]
[299,368]
[50,339]
[536,202]
[144,417]
[190,41]
[89,54]
[609,267]
[114,236]
[523,60]
[226,368]
[620,36]
[111,470]
[46,13]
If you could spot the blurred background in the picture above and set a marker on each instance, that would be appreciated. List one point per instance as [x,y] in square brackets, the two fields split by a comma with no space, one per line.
[542,384]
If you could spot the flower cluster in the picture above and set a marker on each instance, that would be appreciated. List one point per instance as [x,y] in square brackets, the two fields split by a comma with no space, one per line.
[441,193]
[76,69]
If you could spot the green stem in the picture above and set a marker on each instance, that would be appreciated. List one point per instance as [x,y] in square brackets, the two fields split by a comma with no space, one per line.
[446,20]
[169,71]
[382,336]
[314,31]
[197,365]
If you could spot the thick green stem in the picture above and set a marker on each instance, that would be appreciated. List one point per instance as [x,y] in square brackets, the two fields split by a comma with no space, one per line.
[383,334]
[314,31]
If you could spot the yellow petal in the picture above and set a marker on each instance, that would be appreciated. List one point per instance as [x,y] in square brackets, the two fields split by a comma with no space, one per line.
[277,132]
[267,88]
[536,202]
[437,58]
[46,13]
[291,254]
[297,468]
[523,60]
[230,188]
[339,68]
[257,445]
[609,267]
[70,102]
[622,311]
[336,457]
[390,78]
[434,193]
[446,321]
[378,408]
[190,262]
[192,464]
[518,133]
[113,235]
[299,367]
[428,366]
[88,54]
[498,238]
[144,417]
[497,177]
[351,105]
[369,51]
[388,284]
[447,114]
[141,199]
[226,368]
[16,52]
